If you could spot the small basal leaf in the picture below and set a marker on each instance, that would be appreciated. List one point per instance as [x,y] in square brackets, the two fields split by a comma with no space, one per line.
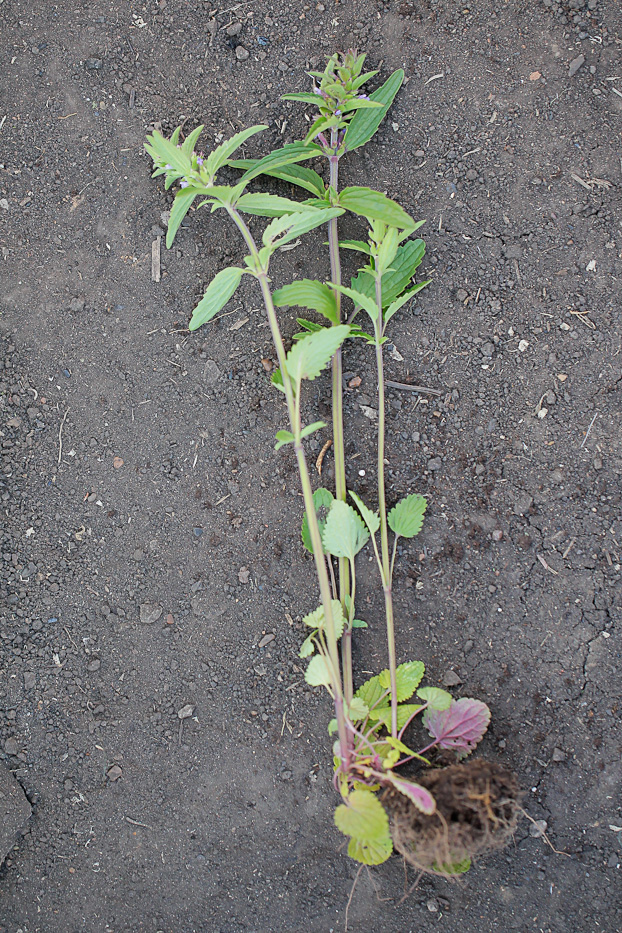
[460,727]
[407,678]
[308,357]
[359,623]
[312,428]
[404,712]
[370,518]
[307,647]
[344,532]
[435,697]
[372,852]
[322,499]
[283,437]
[373,694]
[218,293]
[315,619]
[358,709]
[417,794]
[316,673]
[406,517]
[363,817]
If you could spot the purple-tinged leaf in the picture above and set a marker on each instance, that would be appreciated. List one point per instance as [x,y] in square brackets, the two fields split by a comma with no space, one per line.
[421,797]
[460,727]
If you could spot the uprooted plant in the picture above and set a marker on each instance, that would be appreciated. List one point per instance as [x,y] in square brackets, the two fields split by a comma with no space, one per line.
[382,806]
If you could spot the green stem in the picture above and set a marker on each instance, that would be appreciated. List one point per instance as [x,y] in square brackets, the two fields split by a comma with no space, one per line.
[337,369]
[382,505]
[307,491]
[346,645]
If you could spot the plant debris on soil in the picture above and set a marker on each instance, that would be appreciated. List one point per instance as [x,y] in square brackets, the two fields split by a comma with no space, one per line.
[133,590]
[476,812]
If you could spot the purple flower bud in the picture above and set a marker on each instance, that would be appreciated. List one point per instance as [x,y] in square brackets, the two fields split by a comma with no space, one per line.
[363,97]
[316,90]
[199,160]
[337,113]
[169,168]
[183,184]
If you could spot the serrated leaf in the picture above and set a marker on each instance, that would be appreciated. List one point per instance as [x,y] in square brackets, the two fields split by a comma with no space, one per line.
[315,619]
[308,293]
[406,517]
[408,676]
[317,674]
[422,798]
[222,153]
[181,206]
[460,727]
[288,228]
[372,693]
[268,205]
[373,852]
[360,300]
[218,293]
[365,123]
[294,152]
[308,357]
[307,647]
[283,437]
[375,206]
[399,302]
[362,817]
[344,532]
[370,518]
[382,714]
[322,499]
[357,709]
[435,697]
[407,259]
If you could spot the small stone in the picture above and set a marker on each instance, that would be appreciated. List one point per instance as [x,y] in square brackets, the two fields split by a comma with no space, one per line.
[30,680]
[558,755]
[113,774]
[575,64]
[538,828]
[432,905]
[94,665]
[497,534]
[434,464]
[197,532]
[169,619]
[211,372]
[598,463]
[244,575]
[266,640]
[241,53]
[451,679]
[462,294]
[234,29]
[11,747]
[523,345]
[186,711]
[150,613]
[522,503]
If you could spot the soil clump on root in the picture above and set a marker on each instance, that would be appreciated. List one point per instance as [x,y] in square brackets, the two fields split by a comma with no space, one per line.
[477,804]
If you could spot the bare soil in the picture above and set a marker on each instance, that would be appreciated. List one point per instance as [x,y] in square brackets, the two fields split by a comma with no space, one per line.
[149,542]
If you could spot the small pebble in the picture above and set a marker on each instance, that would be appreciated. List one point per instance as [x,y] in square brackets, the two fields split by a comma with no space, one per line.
[241,53]
[497,534]
[538,828]
[266,640]
[113,774]
[186,711]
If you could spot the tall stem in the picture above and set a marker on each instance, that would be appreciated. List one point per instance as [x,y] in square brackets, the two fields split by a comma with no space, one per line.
[307,492]
[382,505]
[337,369]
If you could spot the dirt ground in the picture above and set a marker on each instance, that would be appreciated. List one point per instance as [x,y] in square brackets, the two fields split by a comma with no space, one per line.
[176,578]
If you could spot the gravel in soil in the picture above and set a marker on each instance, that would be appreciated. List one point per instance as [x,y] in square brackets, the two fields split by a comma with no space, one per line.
[123,437]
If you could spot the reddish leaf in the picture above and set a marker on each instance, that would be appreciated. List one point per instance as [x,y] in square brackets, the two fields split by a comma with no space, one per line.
[421,797]
[461,726]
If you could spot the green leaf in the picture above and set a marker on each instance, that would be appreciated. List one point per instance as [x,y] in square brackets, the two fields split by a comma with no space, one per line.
[165,150]
[317,674]
[308,646]
[288,228]
[304,96]
[332,727]
[404,712]
[308,357]
[181,206]
[283,437]
[357,245]
[190,141]
[344,533]
[359,623]
[316,619]
[452,868]
[403,267]
[218,293]
[221,154]
[375,206]
[435,698]
[365,123]
[399,302]
[308,293]
[370,518]
[360,300]
[406,517]
[312,428]
[408,676]
[371,852]
[359,103]
[268,205]
[294,152]
[372,693]
[277,380]
[363,817]
[357,709]
[322,499]
[293,174]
